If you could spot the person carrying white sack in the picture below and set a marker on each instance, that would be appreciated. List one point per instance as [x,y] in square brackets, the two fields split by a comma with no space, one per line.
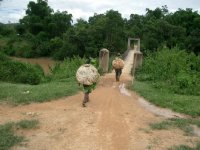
[118,65]
[88,76]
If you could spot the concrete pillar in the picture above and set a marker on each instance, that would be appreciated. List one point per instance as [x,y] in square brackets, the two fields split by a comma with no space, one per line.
[137,60]
[138,48]
[104,60]
[129,44]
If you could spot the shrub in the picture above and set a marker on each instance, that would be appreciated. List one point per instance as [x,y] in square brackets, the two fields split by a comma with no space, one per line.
[55,44]
[66,69]
[67,50]
[23,49]
[19,72]
[171,68]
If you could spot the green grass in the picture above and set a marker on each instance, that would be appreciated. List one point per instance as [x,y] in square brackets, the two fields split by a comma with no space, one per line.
[27,124]
[184,147]
[183,124]
[187,104]
[8,138]
[24,93]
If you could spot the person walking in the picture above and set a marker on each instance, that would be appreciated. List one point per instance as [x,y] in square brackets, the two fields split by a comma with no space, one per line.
[87,89]
[87,75]
[118,65]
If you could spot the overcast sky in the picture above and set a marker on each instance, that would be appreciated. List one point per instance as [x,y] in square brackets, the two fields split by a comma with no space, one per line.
[13,10]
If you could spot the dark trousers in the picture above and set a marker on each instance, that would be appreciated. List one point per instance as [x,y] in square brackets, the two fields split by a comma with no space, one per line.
[86,94]
[86,98]
[118,73]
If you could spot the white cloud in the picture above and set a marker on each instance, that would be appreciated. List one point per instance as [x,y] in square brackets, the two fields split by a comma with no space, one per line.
[13,10]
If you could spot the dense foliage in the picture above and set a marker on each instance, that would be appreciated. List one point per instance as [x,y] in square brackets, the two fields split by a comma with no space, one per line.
[18,72]
[43,32]
[172,68]
[66,69]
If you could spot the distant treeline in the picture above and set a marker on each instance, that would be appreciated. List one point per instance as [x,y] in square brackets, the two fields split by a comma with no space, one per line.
[43,32]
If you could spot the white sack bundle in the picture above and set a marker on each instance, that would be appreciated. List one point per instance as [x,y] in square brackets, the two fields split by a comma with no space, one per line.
[118,63]
[87,74]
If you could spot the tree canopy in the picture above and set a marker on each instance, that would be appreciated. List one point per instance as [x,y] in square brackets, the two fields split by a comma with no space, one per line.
[48,33]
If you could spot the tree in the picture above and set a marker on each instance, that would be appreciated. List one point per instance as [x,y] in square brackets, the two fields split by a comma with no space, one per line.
[58,23]
[114,27]
[36,14]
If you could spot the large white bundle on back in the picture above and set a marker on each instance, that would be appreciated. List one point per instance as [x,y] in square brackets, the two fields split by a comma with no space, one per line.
[118,63]
[87,74]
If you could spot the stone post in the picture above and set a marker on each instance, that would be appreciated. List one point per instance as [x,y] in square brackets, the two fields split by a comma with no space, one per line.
[104,60]
[137,60]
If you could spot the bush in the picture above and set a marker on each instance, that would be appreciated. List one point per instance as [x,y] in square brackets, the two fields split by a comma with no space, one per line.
[67,50]
[19,72]
[7,31]
[55,44]
[66,69]
[171,68]
[23,49]
[16,46]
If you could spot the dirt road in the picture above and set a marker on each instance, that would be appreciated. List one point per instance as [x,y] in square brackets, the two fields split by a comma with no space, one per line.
[114,119]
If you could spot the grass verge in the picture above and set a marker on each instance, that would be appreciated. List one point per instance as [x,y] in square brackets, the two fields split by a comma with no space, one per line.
[187,104]
[7,133]
[27,124]
[24,93]
[184,147]
[183,124]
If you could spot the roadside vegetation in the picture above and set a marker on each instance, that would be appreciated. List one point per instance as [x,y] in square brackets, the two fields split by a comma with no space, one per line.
[183,124]
[58,83]
[186,125]
[163,97]
[8,136]
[14,71]
[185,147]
[170,78]
[24,93]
